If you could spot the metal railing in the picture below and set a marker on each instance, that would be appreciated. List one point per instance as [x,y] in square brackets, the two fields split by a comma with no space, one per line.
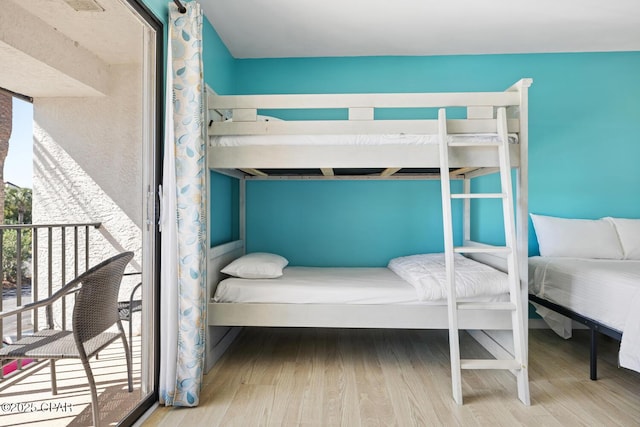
[68,243]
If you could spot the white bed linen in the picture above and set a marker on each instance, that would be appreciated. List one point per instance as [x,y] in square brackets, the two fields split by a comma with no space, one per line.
[323,285]
[252,140]
[607,291]
[428,275]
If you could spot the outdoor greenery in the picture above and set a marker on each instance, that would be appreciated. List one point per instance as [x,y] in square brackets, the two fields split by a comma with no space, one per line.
[17,206]
[17,210]
[10,256]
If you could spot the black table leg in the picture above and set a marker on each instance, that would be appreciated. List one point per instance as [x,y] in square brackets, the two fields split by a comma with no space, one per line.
[593,374]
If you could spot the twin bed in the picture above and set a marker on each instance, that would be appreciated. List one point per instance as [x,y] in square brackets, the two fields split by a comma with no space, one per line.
[357,297]
[247,145]
[589,272]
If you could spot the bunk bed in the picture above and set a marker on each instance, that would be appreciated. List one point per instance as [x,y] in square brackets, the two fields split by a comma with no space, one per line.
[246,145]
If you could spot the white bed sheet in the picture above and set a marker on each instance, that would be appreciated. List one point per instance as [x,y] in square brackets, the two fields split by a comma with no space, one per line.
[252,140]
[607,291]
[324,285]
[599,289]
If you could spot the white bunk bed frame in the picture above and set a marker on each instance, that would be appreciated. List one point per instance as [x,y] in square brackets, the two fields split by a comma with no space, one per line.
[466,163]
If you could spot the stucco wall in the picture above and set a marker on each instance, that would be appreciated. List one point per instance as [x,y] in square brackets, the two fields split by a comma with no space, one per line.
[88,168]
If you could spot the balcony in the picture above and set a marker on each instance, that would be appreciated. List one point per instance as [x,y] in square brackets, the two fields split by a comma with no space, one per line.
[26,399]
[59,252]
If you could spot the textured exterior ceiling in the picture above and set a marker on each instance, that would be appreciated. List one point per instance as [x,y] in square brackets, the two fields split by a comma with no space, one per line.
[114,35]
[48,49]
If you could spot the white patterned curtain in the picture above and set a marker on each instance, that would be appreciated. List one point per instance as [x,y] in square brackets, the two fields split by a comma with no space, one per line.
[183,221]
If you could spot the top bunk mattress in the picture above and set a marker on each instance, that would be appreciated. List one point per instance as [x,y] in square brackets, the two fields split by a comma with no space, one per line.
[602,290]
[348,140]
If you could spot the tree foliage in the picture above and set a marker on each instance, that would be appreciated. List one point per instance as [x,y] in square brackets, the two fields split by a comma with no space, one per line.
[17,210]
[17,206]
[10,254]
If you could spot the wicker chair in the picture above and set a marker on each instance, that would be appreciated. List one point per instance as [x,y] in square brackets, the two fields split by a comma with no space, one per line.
[94,312]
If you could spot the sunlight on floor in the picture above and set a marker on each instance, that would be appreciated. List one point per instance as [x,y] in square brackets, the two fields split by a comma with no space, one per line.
[27,400]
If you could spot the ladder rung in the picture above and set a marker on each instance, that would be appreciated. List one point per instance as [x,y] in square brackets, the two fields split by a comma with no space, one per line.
[474,144]
[479,196]
[490,364]
[481,249]
[504,306]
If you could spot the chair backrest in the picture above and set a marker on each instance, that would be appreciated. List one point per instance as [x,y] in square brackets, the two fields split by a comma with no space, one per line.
[95,308]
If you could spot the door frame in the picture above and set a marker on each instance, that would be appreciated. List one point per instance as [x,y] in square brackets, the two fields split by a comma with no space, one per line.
[153,138]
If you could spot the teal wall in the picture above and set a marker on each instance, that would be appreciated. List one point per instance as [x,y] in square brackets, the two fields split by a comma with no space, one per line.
[344,223]
[584,111]
[223,209]
[218,62]
[158,8]
[584,118]
[584,122]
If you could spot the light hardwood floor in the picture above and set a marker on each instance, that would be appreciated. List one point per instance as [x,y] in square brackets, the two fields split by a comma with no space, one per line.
[341,377]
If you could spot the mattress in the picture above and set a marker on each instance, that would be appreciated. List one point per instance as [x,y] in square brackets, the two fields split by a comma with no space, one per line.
[324,285]
[305,140]
[602,290]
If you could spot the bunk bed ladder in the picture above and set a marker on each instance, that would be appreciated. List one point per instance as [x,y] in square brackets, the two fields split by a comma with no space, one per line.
[517,364]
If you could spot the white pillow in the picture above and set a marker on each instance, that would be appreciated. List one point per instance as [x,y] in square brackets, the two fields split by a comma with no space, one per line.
[257,265]
[578,238]
[629,234]
[427,273]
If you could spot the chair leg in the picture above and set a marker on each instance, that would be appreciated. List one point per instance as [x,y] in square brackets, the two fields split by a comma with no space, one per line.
[131,334]
[54,384]
[94,393]
[127,354]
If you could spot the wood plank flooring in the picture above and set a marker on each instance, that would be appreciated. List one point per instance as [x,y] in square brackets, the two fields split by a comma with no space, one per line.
[343,377]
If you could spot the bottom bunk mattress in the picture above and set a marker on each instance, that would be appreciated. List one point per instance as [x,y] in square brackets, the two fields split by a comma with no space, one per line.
[410,293]
[323,285]
[607,291]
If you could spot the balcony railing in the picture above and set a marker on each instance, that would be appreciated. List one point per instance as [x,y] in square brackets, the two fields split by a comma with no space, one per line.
[65,254]
[55,254]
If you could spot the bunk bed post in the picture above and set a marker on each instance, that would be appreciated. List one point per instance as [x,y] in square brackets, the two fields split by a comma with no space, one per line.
[454,337]
[522,191]
[466,210]
[522,208]
[219,338]
[242,209]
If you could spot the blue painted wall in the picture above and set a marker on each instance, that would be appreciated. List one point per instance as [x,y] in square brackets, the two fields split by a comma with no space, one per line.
[344,223]
[584,122]
[159,8]
[584,118]
[223,209]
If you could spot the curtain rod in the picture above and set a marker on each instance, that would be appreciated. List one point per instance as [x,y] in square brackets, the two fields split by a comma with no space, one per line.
[181,7]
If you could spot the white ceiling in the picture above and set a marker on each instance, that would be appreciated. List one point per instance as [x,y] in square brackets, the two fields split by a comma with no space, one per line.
[299,28]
